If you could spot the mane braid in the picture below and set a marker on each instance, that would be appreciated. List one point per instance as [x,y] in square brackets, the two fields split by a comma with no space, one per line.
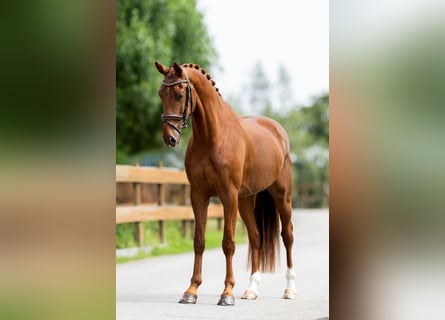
[198,67]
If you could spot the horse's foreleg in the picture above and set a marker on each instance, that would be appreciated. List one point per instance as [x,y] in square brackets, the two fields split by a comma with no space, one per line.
[230,215]
[200,204]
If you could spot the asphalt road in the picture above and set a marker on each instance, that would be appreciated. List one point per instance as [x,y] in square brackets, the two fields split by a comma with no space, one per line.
[151,288]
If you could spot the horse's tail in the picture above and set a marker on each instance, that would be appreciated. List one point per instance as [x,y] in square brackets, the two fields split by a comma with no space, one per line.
[266,217]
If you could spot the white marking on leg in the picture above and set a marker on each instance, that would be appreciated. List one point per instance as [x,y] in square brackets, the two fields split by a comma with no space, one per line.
[291,291]
[254,282]
[252,291]
[290,280]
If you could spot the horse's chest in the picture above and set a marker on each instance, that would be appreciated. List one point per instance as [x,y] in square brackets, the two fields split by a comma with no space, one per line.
[215,171]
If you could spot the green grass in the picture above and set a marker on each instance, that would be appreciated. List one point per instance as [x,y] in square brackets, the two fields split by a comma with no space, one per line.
[175,242]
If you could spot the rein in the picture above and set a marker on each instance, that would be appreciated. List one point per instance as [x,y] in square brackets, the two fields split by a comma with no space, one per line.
[184,118]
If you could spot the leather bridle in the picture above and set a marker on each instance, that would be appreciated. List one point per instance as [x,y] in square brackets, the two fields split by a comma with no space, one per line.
[184,118]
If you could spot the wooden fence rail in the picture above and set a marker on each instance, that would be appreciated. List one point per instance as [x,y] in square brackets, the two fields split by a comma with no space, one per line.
[160,211]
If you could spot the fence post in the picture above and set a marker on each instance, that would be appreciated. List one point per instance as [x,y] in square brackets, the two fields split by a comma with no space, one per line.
[192,228]
[161,223]
[139,231]
[190,223]
[219,223]
[184,223]
[325,193]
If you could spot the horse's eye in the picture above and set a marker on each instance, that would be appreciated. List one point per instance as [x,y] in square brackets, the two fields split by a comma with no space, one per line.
[179,96]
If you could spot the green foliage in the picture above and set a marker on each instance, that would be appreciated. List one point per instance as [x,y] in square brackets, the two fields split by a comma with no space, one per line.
[316,121]
[163,30]
[125,235]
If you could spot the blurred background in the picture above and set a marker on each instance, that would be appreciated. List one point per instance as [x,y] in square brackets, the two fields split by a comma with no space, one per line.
[387,73]
[61,137]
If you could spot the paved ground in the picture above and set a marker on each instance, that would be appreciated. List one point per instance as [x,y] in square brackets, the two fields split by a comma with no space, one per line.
[151,288]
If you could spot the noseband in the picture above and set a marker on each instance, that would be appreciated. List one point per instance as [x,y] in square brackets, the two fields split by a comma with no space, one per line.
[184,118]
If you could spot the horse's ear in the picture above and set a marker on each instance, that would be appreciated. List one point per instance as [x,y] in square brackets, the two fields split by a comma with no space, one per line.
[162,69]
[177,68]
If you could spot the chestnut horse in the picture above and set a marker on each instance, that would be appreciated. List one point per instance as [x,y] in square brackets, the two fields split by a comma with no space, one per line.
[244,161]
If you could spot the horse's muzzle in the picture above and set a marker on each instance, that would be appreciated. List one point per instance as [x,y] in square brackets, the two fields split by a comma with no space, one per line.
[170,141]
[171,135]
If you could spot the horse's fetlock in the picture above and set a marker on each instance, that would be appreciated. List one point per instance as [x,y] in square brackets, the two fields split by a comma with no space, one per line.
[196,281]
[230,283]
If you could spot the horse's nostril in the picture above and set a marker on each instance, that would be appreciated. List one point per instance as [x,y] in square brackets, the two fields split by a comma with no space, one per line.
[171,141]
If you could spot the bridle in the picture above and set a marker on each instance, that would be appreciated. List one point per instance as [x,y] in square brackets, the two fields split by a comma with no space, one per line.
[184,118]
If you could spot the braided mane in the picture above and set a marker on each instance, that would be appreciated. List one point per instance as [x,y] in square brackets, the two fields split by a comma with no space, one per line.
[198,67]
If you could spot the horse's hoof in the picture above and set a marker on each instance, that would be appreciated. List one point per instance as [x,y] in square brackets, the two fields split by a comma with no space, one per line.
[188,298]
[226,300]
[290,294]
[249,295]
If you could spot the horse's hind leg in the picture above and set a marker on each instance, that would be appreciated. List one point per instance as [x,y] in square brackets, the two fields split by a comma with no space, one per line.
[288,239]
[281,191]
[246,209]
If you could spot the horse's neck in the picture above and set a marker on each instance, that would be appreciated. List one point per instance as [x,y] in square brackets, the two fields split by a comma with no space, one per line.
[210,115]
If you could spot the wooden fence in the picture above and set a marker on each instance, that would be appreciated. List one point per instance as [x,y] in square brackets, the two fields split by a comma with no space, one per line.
[307,195]
[161,210]
[311,195]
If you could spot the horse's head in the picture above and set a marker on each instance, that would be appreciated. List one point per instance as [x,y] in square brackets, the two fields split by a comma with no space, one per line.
[176,96]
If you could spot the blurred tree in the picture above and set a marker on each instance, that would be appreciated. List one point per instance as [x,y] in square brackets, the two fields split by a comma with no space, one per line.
[259,90]
[149,30]
[190,41]
[284,89]
[316,121]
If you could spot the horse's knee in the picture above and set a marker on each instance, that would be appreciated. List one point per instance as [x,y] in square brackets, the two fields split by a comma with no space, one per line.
[228,246]
[199,245]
